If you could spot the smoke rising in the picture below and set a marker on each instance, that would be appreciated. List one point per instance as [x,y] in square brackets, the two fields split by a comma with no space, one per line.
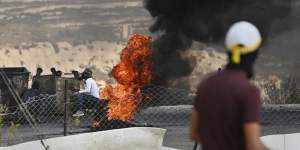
[180,22]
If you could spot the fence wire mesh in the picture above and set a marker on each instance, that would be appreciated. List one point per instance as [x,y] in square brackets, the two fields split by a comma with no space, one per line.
[45,111]
[159,107]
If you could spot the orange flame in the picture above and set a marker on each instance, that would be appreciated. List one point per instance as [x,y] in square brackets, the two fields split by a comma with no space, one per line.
[96,124]
[132,73]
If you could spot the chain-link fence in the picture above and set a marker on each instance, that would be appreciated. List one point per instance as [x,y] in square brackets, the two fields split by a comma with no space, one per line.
[70,113]
[44,110]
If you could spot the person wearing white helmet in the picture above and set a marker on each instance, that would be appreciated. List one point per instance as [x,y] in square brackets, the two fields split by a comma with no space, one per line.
[226,113]
[242,42]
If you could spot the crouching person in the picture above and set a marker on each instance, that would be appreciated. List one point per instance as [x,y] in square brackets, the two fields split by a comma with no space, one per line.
[89,96]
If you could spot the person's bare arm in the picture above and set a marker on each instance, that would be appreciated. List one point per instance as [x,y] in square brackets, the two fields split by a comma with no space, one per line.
[252,136]
[251,106]
[194,129]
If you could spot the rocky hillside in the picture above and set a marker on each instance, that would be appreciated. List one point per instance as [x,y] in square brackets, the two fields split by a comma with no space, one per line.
[74,34]
[99,55]
[67,34]
[75,21]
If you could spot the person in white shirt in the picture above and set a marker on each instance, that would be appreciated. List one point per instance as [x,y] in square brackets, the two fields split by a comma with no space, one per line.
[90,88]
[89,96]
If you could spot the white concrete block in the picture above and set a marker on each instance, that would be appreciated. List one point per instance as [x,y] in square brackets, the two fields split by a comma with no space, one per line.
[292,141]
[274,142]
[168,148]
[126,139]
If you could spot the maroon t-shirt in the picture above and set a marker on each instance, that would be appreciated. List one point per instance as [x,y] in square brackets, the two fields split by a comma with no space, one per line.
[224,102]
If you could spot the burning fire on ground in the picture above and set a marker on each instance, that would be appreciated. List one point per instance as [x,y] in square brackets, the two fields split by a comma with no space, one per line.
[96,124]
[132,74]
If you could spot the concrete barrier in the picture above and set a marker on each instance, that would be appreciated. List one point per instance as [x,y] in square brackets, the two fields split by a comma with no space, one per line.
[282,141]
[130,138]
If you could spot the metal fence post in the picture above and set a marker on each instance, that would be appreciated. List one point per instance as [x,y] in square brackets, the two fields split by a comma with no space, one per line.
[66,108]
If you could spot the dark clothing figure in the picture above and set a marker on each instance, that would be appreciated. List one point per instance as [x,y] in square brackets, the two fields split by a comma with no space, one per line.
[227,105]
[86,101]
[53,71]
[34,91]
[39,72]
[224,102]
[58,73]
[76,75]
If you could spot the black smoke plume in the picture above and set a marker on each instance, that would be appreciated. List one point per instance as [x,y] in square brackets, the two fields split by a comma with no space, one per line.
[180,22]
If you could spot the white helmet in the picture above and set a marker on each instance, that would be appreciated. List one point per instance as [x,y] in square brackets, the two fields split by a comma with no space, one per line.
[242,38]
